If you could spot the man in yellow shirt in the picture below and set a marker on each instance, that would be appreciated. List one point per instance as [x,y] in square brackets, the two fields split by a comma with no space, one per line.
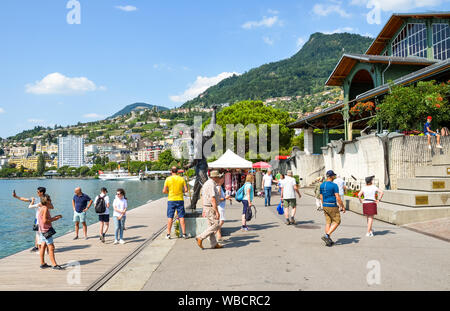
[175,186]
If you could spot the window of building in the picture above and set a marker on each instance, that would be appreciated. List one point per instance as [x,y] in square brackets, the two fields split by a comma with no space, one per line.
[441,41]
[411,41]
[417,39]
[400,44]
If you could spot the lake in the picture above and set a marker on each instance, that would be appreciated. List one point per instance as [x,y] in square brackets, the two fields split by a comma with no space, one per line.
[17,220]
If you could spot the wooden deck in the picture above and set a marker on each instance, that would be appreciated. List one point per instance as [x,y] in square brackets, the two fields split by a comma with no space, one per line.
[21,272]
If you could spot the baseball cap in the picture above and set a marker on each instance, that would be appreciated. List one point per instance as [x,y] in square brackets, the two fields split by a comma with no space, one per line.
[429,118]
[330,173]
[369,179]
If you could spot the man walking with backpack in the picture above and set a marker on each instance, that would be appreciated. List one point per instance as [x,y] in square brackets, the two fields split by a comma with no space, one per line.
[211,200]
[101,204]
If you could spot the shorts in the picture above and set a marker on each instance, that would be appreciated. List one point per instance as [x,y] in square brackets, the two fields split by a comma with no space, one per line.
[79,217]
[430,134]
[332,214]
[103,218]
[369,209]
[175,205]
[222,213]
[245,204]
[290,203]
[42,239]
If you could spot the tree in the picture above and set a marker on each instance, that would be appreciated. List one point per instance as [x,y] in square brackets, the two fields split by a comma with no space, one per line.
[256,113]
[406,108]
[165,158]
[41,164]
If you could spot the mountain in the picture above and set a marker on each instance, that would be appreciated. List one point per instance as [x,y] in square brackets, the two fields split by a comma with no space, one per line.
[304,73]
[135,107]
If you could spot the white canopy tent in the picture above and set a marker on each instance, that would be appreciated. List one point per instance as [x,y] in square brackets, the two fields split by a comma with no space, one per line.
[230,160]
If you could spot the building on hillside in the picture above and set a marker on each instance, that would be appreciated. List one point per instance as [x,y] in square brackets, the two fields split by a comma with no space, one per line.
[4,161]
[91,149]
[47,148]
[410,48]
[149,154]
[20,152]
[70,151]
[29,163]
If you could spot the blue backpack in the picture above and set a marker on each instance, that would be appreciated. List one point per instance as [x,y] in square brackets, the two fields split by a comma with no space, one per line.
[240,194]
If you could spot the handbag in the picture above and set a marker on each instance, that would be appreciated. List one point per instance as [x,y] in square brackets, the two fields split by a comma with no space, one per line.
[49,233]
[35,226]
[280,209]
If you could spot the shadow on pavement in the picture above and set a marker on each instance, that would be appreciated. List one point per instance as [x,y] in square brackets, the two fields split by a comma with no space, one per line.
[226,231]
[240,241]
[70,248]
[344,241]
[136,227]
[384,232]
[89,261]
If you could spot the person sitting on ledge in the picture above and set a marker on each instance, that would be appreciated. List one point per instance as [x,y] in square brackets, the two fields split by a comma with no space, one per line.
[428,132]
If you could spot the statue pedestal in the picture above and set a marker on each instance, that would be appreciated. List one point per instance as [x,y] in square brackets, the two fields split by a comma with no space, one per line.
[195,223]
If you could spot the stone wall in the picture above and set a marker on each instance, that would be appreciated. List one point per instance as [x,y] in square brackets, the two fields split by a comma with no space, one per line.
[364,157]
[307,166]
[407,152]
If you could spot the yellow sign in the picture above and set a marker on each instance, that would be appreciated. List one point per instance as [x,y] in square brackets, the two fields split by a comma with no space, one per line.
[448,170]
[421,200]
[438,184]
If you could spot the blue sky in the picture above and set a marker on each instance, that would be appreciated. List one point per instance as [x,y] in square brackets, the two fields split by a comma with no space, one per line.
[158,52]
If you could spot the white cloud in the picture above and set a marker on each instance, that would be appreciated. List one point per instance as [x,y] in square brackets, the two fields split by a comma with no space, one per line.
[37,121]
[126,8]
[56,83]
[398,5]
[93,116]
[341,30]
[273,12]
[300,42]
[2,111]
[268,41]
[199,86]
[265,22]
[325,10]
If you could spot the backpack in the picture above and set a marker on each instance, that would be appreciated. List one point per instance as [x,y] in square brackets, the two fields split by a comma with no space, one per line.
[100,205]
[240,194]
[249,213]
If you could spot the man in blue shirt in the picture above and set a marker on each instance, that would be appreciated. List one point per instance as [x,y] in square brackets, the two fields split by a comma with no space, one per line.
[428,132]
[81,203]
[331,201]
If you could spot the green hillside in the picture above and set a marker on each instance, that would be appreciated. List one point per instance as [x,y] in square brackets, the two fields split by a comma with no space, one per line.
[304,73]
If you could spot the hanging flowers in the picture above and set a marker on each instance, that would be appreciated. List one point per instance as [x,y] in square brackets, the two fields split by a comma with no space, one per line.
[360,108]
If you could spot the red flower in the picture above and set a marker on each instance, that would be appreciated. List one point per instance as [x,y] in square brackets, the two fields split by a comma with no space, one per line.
[378,108]
[440,98]
[438,106]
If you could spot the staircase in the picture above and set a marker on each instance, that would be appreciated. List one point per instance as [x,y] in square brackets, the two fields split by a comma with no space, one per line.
[430,187]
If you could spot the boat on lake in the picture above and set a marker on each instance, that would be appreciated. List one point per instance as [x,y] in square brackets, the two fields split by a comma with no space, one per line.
[119,174]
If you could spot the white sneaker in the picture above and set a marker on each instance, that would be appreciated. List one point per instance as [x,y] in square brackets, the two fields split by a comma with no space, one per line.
[369,234]
[429,147]
[116,242]
[122,242]
[439,146]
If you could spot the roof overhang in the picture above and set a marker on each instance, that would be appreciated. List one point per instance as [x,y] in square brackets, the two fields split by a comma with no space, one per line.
[393,25]
[421,74]
[348,61]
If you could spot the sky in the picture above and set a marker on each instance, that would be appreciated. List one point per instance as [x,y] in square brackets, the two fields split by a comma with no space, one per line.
[69,61]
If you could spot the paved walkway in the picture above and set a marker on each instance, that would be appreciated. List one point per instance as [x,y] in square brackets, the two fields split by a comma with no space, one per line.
[21,272]
[274,256]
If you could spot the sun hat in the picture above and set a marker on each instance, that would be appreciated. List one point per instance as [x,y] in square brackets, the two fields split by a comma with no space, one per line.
[215,174]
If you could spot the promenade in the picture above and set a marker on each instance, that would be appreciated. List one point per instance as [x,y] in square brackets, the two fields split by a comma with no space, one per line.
[21,272]
[271,256]
[276,257]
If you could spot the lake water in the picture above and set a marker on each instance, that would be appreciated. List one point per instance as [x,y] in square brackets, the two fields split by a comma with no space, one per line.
[16,220]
